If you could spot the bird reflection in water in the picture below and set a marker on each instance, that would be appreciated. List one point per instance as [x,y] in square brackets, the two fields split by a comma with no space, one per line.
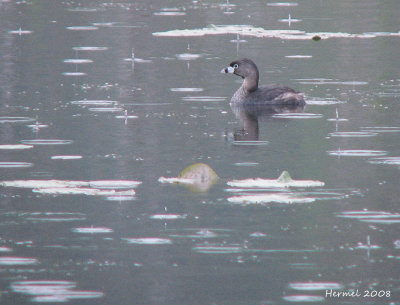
[250,115]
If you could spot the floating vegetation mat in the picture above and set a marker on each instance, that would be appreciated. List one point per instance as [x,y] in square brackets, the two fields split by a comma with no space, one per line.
[284,181]
[248,30]
[69,187]
[283,190]
[288,198]
[263,191]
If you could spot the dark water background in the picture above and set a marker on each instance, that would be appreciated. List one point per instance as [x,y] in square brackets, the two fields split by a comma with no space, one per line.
[209,250]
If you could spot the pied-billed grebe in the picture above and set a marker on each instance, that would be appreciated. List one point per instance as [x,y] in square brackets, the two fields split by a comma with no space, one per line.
[250,93]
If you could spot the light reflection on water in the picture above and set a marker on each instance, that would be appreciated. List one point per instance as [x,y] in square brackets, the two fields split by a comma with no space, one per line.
[133,238]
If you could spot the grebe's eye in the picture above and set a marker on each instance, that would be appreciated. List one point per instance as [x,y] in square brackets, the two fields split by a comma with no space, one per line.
[235,66]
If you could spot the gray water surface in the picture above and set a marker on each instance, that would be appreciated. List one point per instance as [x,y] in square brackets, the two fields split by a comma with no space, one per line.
[98,100]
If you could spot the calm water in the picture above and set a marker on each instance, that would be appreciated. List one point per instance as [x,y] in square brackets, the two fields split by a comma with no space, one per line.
[78,108]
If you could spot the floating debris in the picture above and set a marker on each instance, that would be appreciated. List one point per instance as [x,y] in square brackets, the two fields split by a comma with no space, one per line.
[78,61]
[120,198]
[303,298]
[284,181]
[198,177]
[188,56]
[106,109]
[105,24]
[65,157]
[90,48]
[168,216]
[82,28]
[283,4]
[82,9]
[332,82]
[94,103]
[218,249]
[315,286]
[54,216]
[357,153]
[385,160]
[52,291]
[201,234]
[70,187]
[74,73]
[169,13]
[11,119]
[186,89]
[381,129]
[81,191]
[249,143]
[20,32]
[372,216]
[46,142]
[289,198]
[114,184]
[92,230]
[352,134]
[296,115]
[15,164]
[148,241]
[298,56]
[15,146]
[10,261]
[324,102]
[246,163]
